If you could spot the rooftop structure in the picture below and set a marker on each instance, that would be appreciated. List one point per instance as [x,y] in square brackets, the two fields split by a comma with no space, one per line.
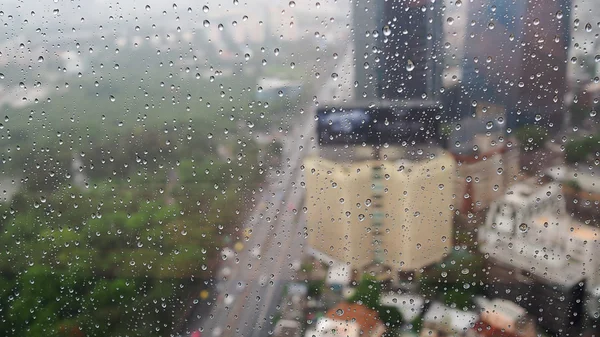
[348,320]
[537,251]
[499,317]
[443,320]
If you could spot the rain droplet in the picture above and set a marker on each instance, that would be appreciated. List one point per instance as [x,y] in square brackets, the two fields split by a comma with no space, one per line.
[205,9]
[523,228]
[41,59]
[206,23]
[387,31]
[147,7]
[410,66]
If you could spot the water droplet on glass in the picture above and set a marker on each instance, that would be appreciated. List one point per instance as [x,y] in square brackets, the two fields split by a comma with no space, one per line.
[410,66]
[523,227]
[387,31]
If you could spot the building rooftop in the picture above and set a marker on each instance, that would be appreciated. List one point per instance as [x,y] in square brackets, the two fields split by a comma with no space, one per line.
[366,319]
[287,328]
[445,318]
[404,155]
[339,273]
[473,134]
[547,263]
[410,306]
[529,192]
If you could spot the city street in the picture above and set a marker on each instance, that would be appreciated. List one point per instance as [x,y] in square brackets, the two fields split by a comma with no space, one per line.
[248,299]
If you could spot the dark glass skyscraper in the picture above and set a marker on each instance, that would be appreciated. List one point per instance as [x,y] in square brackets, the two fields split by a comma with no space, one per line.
[516,57]
[398,49]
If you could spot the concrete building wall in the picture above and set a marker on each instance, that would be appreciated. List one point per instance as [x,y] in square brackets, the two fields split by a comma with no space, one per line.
[478,183]
[418,214]
[333,192]
[415,228]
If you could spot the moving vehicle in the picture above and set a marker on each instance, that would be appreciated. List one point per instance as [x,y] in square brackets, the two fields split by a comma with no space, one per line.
[255,252]
[228,253]
[247,233]
[218,331]
[228,300]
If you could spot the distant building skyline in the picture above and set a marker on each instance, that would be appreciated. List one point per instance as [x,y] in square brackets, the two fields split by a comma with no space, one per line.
[398,49]
[516,56]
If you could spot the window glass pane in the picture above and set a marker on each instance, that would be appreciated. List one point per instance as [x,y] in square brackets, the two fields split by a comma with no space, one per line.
[299,168]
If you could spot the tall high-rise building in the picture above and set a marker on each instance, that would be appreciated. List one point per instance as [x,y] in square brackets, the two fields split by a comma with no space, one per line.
[393,212]
[516,56]
[398,49]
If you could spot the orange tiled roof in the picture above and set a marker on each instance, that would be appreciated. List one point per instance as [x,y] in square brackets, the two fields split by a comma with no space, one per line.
[367,319]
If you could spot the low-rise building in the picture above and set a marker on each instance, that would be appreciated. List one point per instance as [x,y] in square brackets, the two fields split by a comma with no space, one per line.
[502,318]
[348,320]
[537,255]
[485,164]
[409,305]
[271,89]
[287,328]
[441,321]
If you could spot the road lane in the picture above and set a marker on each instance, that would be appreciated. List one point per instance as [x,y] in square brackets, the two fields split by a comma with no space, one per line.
[278,231]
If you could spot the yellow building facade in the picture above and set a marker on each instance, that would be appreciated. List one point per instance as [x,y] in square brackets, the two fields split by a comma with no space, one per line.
[395,210]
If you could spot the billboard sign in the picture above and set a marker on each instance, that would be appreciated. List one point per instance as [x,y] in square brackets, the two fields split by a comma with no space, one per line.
[376,125]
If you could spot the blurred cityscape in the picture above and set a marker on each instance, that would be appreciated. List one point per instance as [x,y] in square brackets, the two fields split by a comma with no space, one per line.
[300,169]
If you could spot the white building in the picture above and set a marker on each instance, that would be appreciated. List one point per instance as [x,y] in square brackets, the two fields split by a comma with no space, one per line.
[409,305]
[529,229]
[443,320]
